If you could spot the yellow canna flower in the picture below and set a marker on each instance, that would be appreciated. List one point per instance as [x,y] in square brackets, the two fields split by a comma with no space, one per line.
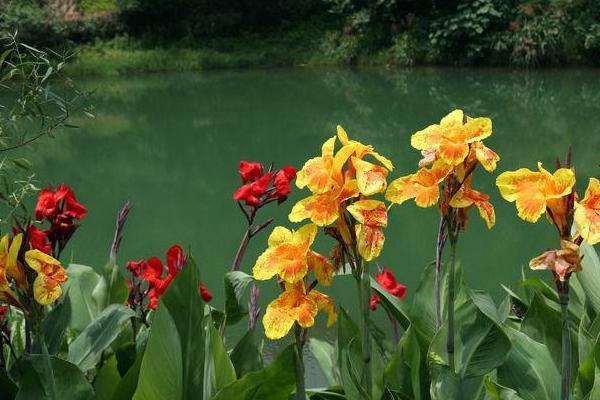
[561,262]
[371,216]
[423,186]
[295,305]
[486,156]
[587,213]
[50,275]
[371,178]
[317,173]
[324,208]
[467,197]
[534,191]
[289,256]
[10,268]
[361,150]
[449,140]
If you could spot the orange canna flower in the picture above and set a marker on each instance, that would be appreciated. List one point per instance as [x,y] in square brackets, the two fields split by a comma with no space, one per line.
[423,186]
[449,140]
[587,213]
[534,192]
[371,216]
[317,173]
[289,256]
[295,305]
[561,262]
[10,268]
[324,208]
[467,197]
[50,275]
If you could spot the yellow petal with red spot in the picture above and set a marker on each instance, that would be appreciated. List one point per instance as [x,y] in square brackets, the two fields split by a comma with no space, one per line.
[13,268]
[277,322]
[453,153]
[476,129]
[467,197]
[371,178]
[321,266]
[487,212]
[383,160]
[587,213]
[370,241]
[316,174]
[430,137]
[324,303]
[293,305]
[323,209]
[328,147]
[305,235]
[401,189]
[558,184]
[51,274]
[512,183]
[486,156]
[369,212]
[342,135]
[279,235]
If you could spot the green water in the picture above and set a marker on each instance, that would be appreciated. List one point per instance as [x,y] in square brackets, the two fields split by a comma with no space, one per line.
[171,144]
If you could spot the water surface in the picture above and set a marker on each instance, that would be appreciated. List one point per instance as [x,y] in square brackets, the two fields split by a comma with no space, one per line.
[171,144]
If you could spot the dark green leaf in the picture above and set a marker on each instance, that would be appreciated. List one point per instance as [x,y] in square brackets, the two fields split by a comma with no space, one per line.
[55,324]
[79,289]
[86,349]
[247,353]
[324,353]
[274,382]
[107,380]
[495,391]
[218,369]
[236,284]
[398,308]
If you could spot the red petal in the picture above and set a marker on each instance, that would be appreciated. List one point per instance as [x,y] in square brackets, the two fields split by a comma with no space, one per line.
[250,171]
[205,293]
[175,259]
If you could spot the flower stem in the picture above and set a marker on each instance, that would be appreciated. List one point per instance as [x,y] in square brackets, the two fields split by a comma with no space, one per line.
[235,265]
[441,241]
[299,363]
[451,295]
[563,293]
[364,290]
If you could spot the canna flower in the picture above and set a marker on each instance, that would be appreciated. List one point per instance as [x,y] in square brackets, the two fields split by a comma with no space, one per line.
[10,269]
[251,193]
[324,208]
[450,139]
[536,191]
[294,304]
[561,262]
[289,257]
[250,171]
[38,239]
[256,191]
[587,213]
[281,183]
[50,276]
[205,293]
[423,186]
[371,216]
[467,197]
[388,281]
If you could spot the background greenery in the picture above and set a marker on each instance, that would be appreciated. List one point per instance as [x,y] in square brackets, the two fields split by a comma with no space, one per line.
[117,36]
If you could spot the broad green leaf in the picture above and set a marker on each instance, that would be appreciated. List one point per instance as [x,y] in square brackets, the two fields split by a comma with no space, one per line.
[275,382]
[236,284]
[398,308]
[544,325]
[176,343]
[50,378]
[324,353]
[350,358]
[247,353]
[86,349]
[128,384]
[589,276]
[402,374]
[79,289]
[480,344]
[55,324]
[107,380]
[529,369]
[111,287]
[218,369]
[495,391]
[446,385]
[7,387]
[332,393]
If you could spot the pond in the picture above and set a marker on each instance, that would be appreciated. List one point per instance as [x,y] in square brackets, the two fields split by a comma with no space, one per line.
[171,144]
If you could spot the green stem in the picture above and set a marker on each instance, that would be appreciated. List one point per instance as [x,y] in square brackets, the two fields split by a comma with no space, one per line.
[364,292]
[451,295]
[439,250]
[566,341]
[299,364]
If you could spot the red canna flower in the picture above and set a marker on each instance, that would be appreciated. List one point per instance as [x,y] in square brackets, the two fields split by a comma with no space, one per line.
[388,281]
[251,193]
[152,273]
[250,171]
[205,293]
[136,267]
[39,240]
[176,258]
[281,182]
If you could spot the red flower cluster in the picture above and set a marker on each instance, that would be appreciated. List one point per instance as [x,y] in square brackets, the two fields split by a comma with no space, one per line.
[61,209]
[256,186]
[388,281]
[151,271]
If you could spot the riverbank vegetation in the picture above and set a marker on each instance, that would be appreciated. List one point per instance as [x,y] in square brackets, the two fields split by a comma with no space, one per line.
[121,36]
